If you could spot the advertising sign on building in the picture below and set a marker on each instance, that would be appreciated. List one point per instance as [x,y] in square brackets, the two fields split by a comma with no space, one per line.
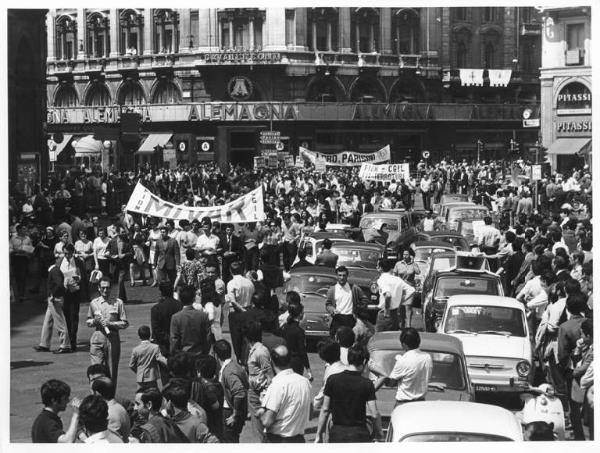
[385,172]
[170,156]
[270,137]
[536,172]
[574,99]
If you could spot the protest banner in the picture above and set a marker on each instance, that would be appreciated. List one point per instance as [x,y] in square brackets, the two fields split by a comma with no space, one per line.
[347,158]
[289,161]
[320,165]
[259,162]
[385,172]
[247,208]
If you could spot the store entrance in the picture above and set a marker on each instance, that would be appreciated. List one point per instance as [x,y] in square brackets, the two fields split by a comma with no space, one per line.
[242,148]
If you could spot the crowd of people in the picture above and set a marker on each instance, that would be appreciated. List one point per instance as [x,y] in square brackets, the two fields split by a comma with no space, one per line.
[74,242]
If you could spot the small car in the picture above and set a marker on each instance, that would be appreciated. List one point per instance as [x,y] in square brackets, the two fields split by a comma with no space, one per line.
[445,207]
[467,277]
[457,212]
[313,243]
[398,224]
[449,379]
[451,237]
[453,421]
[495,337]
[362,255]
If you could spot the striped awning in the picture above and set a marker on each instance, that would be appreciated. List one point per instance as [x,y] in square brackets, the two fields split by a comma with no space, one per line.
[88,145]
[152,141]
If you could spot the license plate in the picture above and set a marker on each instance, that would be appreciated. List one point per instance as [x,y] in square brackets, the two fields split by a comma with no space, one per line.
[485,388]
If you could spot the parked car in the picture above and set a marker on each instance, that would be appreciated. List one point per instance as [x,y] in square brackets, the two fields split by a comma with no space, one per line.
[457,212]
[467,277]
[452,421]
[398,225]
[453,238]
[312,283]
[445,207]
[449,379]
[495,337]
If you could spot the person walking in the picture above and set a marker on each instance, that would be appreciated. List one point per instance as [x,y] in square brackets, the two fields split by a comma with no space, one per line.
[160,317]
[47,427]
[120,253]
[167,257]
[107,316]
[348,396]
[20,250]
[75,282]
[393,291]
[145,360]
[190,328]
[233,250]
[239,295]
[286,407]
[343,301]
[295,340]
[100,245]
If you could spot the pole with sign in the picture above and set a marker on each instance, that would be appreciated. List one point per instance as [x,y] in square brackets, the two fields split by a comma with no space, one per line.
[426,155]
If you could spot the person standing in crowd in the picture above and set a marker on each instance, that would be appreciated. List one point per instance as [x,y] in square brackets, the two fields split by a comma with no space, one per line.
[93,413]
[239,295]
[118,419]
[107,316]
[286,407]
[407,270]
[157,428]
[100,247]
[145,361]
[233,250]
[295,339]
[84,250]
[208,392]
[235,384]
[154,235]
[291,236]
[75,281]
[190,328]
[47,427]
[167,257]
[120,253]
[392,293]
[326,257]
[21,250]
[207,240]
[347,397]
[160,317]
[343,301]
[272,240]
[250,237]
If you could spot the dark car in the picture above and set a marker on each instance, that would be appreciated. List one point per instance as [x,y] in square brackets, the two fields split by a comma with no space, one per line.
[362,255]
[312,283]
[451,237]
[399,227]
[466,278]
[449,378]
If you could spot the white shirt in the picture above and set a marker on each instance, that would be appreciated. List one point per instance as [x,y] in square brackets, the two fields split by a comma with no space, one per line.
[100,247]
[343,299]
[413,371]
[393,285]
[207,242]
[225,363]
[241,290]
[531,289]
[289,397]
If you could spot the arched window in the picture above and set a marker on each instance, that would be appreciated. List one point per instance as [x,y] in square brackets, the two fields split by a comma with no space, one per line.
[489,56]
[66,97]
[324,89]
[98,35]
[66,38]
[490,43]
[166,31]
[98,95]
[323,29]
[131,32]
[461,55]
[241,28]
[367,90]
[365,30]
[166,92]
[461,42]
[405,31]
[131,93]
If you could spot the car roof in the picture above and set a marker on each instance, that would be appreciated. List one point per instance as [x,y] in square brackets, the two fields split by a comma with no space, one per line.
[333,235]
[443,255]
[359,245]
[434,234]
[313,270]
[453,272]
[457,206]
[433,244]
[441,416]
[429,342]
[384,214]
[485,300]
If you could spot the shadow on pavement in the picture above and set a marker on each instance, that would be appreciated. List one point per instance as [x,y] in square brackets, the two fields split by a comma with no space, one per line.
[26,363]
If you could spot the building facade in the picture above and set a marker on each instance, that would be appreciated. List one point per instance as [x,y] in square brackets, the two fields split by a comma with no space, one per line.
[26,70]
[205,82]
[566,87]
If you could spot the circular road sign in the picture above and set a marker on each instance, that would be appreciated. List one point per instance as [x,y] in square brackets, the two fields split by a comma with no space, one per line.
[279,146]
[425,154]
[526,114]
[205,146]
[182,146]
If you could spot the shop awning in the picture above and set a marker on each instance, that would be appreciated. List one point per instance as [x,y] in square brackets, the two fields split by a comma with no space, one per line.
[152,141]
[59,147]
[570,146]
[87,146]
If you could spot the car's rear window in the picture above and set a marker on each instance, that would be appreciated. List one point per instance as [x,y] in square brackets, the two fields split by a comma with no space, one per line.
[454,437]
[310,283]
[452,286]
[348,257]
[370,222]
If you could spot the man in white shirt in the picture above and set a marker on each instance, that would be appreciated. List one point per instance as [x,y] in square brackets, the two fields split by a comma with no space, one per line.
[239,296]
[207,241]
[93,414]
[412,369]
[392,291]
[425,187]
[287,403]
[341,300]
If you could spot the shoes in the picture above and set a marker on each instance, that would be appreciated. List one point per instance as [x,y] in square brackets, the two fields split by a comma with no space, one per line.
[153,284]
[62,351]
[41,349]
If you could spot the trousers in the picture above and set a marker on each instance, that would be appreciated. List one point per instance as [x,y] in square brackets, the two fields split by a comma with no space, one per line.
[339,320]
[71,311]
[276,439]
[55,316]
[231,434]
[348,434]
[384,324]
[106,350]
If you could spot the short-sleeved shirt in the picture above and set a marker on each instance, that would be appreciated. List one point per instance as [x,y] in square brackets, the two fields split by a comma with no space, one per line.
[349,393]
[47,428]
[289,397]
[389,283]
[413,371]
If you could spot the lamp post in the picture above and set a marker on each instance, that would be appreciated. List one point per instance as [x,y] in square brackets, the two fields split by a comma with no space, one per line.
[107,144]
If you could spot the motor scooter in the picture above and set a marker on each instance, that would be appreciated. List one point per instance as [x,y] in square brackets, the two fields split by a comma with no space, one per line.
[540,404]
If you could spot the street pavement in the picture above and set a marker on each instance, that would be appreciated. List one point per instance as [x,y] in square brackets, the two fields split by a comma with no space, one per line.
[29,369]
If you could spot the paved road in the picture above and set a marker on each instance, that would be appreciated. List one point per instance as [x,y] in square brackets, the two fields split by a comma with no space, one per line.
[29,369]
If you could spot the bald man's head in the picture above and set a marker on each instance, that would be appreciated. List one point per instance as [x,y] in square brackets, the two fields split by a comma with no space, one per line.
[280,357]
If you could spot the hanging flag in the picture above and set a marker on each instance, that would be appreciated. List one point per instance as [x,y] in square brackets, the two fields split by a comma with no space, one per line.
[470,77]
[499,77]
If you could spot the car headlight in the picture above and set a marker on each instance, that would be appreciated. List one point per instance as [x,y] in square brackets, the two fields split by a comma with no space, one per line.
[523,368]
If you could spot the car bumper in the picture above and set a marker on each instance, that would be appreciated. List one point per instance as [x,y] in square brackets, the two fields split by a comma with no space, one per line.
[513,385]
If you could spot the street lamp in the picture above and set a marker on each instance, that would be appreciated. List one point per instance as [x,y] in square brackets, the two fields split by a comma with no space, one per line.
[107,144]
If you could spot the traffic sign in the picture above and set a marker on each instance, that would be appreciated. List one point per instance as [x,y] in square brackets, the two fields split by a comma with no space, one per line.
[205,146]
[536,172]
[531,122]
[270,137]
[279,146]
[425,154]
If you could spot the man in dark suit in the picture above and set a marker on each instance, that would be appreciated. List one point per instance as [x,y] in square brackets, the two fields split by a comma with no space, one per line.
[75,280]
[120,253]
[326,257]
[161,314]
[190,328]
[233,250]
[235,385]
[167,257]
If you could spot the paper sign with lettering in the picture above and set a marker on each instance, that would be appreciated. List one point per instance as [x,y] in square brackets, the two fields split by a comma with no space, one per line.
[247,208]
[347,158]
[385,172]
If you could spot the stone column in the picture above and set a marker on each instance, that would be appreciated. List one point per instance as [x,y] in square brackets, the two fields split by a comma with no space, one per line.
[113,33]
[50,26]
[372,36]
[81,35]
[231,32]
[314,34]
[446,37]
[251,32]
[94,37]
[301,27]
[163,41]
[148,26]
[385,31]
[275,25]
[344,25]
[185,22]
[329,35]
[357,36]
[206,29]
[139,37]
[126,43]
[174,37]
[508,39]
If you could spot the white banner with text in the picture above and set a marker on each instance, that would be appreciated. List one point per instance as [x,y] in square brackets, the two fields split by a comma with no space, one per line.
[346,158]
[385,172]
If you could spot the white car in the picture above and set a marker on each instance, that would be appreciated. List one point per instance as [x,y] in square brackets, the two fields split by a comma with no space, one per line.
[495,337]
[452,421]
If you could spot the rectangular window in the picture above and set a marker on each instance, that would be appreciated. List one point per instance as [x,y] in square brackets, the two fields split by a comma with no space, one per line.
[194,38]
[575,36]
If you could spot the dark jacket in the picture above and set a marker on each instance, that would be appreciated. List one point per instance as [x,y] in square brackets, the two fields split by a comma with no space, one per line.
[56,282]
[359,300]
[235,385]
[326,258]
[160,321]
[236,247]
[112,249]
[167,254]
[568,334]
[189,331]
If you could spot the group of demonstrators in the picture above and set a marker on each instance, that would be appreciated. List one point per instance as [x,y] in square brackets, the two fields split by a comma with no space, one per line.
[193,384]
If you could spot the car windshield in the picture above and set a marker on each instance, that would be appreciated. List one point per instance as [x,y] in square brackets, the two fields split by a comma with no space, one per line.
[443,263]
[485,320]
[375,222]
[452,286]
[454,437]
[447,370]
[353,257]
[469,213]
[306,283]
[424,253]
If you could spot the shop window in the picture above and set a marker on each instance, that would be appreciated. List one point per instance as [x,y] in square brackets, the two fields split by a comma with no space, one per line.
[241,28]
[365,30]
[166,32]
[130,22]
[66,37]
[98,95]
[166,93]
[405,29]
[98,35]
[575,36]
[66,96]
